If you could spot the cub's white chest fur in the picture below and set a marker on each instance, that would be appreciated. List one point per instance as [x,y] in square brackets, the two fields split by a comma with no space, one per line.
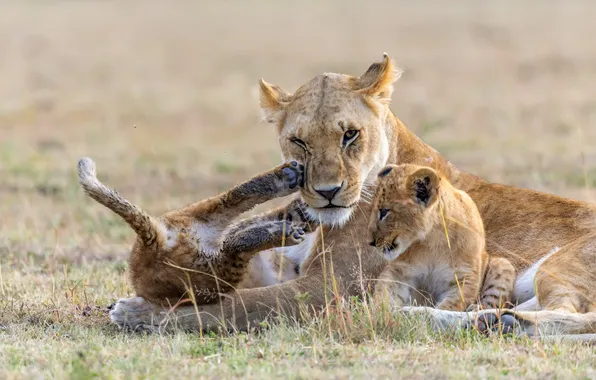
[206,237]
[432,279]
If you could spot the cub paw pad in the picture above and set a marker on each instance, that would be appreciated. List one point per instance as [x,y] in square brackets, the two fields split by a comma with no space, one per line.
[293,175]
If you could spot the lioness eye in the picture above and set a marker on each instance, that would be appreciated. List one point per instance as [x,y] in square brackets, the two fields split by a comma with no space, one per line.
[299,142]
[383,213]
[350,136]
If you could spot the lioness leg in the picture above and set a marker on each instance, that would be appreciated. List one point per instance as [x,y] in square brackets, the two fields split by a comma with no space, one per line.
[563,286]
[238,310]
[565,281]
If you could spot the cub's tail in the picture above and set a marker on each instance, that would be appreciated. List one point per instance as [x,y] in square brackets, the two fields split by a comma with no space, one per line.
[138,220]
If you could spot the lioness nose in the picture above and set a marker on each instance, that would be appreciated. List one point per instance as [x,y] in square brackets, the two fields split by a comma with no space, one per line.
[329,192]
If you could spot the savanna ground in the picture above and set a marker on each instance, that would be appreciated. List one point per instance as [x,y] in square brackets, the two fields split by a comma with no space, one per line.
[163,98]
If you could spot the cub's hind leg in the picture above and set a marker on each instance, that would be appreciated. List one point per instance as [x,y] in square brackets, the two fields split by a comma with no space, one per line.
[247,239]
[242,243]
[292,212]
[393,288]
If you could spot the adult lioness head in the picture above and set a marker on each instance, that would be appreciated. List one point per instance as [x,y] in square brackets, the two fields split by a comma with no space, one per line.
[334,124]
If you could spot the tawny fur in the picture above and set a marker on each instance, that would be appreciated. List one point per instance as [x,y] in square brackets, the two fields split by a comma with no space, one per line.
[521,225]
[198,247]
[433,236]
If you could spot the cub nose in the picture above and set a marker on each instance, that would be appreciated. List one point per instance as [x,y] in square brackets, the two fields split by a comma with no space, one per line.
[329,192]
[373,243]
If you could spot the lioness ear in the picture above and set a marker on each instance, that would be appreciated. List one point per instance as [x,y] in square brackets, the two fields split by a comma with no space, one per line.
[377,81]
[424,186]
[273,101]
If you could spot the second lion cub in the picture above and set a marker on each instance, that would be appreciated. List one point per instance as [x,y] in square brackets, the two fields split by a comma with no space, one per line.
[202,247]
[433,236]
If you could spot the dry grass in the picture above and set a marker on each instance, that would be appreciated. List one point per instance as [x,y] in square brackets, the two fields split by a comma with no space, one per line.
[163,98]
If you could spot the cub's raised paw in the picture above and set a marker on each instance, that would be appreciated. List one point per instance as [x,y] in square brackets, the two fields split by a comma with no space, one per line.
[291,233]
[293,175]
[294,234]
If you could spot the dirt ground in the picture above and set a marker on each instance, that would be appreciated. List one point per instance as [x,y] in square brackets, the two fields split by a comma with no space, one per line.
[163,96]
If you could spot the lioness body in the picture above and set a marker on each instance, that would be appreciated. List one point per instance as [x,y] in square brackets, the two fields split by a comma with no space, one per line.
[198,247]
[314,127]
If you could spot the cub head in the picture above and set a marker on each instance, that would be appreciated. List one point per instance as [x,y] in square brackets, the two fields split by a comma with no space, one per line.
[404,208]
[335,125]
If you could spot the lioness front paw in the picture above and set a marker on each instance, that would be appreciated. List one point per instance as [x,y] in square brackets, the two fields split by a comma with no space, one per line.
[293,175]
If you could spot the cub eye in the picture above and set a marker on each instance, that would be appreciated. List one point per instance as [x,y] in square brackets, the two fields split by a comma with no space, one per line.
[383,213]
[299,142]
[350,136]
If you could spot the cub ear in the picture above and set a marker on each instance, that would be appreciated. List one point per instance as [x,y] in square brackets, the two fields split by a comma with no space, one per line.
[424,186]
[273,100]
[377,81]
[385,171]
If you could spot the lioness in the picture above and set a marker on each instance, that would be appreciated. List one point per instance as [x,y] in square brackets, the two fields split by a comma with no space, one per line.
[201,238]
[341,128]
[433,236]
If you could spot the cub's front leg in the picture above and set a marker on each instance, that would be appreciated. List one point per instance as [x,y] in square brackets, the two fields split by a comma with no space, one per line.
[393,288]
[462,292]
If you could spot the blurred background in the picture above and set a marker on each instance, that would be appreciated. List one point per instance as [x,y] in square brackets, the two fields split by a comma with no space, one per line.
[163,97]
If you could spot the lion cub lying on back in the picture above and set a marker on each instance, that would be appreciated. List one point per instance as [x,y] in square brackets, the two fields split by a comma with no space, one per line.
[201,237]
[434,237]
